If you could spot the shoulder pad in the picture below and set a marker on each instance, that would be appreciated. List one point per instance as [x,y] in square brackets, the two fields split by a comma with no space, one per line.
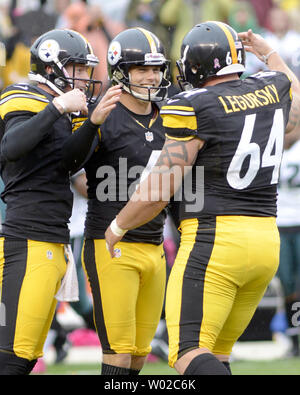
[264,74]
[21,98]
[184,102]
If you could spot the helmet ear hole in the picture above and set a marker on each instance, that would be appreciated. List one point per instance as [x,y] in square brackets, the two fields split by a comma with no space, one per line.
[60,83]
[194,69]
[49,69]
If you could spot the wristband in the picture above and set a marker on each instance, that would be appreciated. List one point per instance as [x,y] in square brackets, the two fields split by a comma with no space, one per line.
[117,231]
[266,57]
[60,102]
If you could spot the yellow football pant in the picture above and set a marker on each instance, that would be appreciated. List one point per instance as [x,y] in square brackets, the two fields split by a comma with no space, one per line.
[220,274]
[30,276]
[128,294]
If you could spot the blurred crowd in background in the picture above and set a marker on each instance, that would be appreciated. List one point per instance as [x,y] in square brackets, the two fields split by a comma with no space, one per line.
[21,21]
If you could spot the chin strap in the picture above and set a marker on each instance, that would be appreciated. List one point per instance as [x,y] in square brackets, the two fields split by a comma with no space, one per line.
[151,97]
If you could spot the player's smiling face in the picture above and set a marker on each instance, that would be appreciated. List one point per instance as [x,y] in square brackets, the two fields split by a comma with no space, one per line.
[144,76]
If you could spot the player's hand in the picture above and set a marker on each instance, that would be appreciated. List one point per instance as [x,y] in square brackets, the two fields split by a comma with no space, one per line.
[106,104]
[255,44]
[111,240]
[72,101]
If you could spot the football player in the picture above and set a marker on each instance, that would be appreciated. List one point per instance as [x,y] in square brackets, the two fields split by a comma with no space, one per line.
[231,131]
[35,121]
[128,291]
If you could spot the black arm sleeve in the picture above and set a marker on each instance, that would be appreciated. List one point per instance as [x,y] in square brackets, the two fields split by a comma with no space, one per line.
[77,147]
[23,135]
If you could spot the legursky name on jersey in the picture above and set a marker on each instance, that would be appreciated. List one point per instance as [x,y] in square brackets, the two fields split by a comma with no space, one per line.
[258,98]
[114,184]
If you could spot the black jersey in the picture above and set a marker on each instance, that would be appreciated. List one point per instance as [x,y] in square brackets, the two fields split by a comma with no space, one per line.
[128,148]
[37,190]
[242,123]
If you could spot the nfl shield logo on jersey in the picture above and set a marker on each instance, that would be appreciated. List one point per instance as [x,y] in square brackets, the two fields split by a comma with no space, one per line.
[117,252]
[149,136]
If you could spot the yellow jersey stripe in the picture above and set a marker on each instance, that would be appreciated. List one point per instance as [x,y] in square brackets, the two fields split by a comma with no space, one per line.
[180,138]
[76,125]
[177,121]
[78,120]
[230,41]
[21,104]
[176,108]
[22,92]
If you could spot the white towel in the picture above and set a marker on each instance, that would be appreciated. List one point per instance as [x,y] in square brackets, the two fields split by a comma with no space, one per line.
[69,291]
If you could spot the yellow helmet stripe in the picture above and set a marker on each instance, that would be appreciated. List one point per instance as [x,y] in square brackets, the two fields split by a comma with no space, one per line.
[85,39]
[230,41]
[150,39]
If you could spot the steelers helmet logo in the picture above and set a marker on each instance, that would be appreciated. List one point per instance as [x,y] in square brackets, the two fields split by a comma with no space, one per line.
[49,51]
[114,53]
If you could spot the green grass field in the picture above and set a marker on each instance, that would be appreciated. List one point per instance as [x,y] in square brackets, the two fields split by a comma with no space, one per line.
[272,367]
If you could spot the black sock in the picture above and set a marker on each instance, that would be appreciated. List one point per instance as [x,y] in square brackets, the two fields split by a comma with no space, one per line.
[227,366]
[134,372]
[205,365]
[11,365]
[113,370]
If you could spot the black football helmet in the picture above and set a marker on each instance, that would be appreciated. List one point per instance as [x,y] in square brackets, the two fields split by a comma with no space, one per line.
[209,49]
[57,48]
[138,46]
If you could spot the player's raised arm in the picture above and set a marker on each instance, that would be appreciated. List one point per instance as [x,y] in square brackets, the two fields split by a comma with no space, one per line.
[257,45]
